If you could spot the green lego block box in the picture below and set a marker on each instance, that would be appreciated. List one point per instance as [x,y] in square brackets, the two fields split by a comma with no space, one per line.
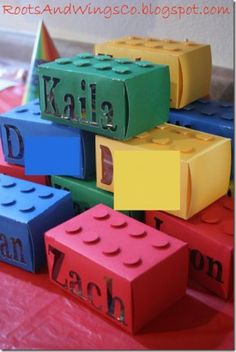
[116,98]
[85,195]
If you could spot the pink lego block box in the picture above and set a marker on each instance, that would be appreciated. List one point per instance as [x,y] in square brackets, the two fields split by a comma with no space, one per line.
[123,269]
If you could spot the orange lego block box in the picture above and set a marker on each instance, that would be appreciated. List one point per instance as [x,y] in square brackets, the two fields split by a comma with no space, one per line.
[123,269]
[190,63]
[19,171]
[209,235]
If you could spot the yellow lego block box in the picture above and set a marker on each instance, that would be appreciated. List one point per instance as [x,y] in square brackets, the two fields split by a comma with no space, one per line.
[205,162]
[190,63]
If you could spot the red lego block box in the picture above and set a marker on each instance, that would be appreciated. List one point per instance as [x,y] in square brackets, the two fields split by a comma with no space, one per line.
[124,269]
[209,235]
[19,171]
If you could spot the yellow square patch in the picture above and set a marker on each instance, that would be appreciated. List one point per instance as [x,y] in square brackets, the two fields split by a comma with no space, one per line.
[146,180]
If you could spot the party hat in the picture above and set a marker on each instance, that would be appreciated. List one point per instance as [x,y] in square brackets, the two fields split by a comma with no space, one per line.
[44,51]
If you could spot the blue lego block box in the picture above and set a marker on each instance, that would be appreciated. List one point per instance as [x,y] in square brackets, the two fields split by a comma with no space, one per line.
[210,116]
[27,211]
[46,148]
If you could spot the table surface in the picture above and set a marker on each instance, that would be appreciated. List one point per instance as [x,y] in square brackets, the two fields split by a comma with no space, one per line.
[35,314]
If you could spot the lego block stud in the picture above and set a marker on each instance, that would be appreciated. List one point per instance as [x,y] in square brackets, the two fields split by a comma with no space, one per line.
[27,210]
[190,63]
[103,95]
[123,269]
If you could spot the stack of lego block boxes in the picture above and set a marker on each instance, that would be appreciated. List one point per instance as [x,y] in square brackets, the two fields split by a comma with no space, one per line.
[122,268]
[205,220]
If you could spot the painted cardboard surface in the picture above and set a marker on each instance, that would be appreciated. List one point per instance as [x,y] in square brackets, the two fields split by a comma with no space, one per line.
[209,235]
[189,62]
[27,210]
[210,116]
[120,267]
[25,122]
[205,163]
[106,96]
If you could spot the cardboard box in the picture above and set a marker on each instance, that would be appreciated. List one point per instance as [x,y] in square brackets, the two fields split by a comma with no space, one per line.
[123,269]
[189,63]
[205,163]
[27,210]
[24,123]
[209,235]
[105,96]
